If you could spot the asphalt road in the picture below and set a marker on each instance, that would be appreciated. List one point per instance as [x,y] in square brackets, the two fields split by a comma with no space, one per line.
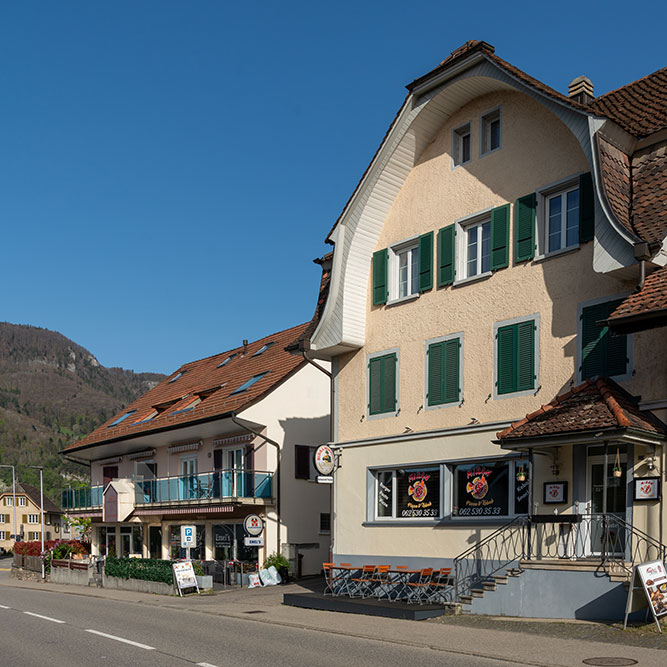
[39,628]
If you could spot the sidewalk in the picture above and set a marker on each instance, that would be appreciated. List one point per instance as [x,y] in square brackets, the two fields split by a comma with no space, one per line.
[518,641]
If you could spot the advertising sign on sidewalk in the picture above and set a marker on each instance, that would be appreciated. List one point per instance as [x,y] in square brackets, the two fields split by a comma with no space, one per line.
[651,579]
[184,574]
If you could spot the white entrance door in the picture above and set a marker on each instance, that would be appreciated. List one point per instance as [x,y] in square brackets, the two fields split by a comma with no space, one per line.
[606,496]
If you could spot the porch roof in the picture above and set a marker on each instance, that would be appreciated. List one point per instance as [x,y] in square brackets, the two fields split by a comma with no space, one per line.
[591,407]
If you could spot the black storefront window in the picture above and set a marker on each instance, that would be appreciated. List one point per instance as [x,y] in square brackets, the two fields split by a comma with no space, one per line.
[408,493]
[175,550]
[490,489]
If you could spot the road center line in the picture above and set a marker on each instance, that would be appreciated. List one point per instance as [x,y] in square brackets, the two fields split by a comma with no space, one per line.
[2,606]
[205,664]
[120,639]
[46,618]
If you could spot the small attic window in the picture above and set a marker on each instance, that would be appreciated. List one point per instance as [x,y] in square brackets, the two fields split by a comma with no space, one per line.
[148,417]
[249,383]
[176,377]
[227,360]
[263,349]
[122,418]
[188,406]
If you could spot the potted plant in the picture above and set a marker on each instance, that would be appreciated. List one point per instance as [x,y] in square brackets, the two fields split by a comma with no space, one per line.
[521,475]
[617,471]
[280,563]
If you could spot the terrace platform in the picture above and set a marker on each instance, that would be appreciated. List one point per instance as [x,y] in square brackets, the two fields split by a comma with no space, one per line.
[367,606]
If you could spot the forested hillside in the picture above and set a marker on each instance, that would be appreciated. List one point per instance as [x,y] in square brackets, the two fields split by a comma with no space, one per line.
[53,392]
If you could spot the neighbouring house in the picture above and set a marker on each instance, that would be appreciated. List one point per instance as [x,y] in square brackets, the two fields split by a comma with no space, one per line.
[28,519]
[220,439]
[486,419]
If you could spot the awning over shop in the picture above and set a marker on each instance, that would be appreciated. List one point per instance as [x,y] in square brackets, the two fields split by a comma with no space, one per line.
[593,411]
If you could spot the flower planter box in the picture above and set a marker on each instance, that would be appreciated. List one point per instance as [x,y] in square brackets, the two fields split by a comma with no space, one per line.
[205,582]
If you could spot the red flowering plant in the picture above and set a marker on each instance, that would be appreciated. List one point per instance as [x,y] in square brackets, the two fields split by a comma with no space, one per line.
[52,549]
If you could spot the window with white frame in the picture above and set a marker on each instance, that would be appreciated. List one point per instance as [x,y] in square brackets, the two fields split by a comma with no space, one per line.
[33,535]
[404,270]
[477,247]
[9,501]
[490,131]
[561,219]
[33,518]
[21,500]
[409,493]
[2,535]
[461,145]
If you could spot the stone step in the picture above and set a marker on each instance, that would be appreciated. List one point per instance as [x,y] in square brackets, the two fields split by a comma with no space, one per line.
[466,599]
[500,578]
[489,585]
[477,592]
[514,572]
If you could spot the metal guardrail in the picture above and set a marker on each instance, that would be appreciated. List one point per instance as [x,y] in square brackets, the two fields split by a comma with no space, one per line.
[605,539]
[181,488]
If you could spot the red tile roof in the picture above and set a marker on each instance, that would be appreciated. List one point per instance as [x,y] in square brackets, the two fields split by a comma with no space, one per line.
[640,107]
[33,493]
[593,405]
[644,309]
[213,383]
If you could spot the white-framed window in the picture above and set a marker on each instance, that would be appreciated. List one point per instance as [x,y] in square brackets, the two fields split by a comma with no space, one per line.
[487,489]
[2,518]
[404,269]
[478,248]
[490,132]
[461,145]
[33,518]
[2,535]
[408,493]
[21,500]
[33,535]
[9,501]
[558,215]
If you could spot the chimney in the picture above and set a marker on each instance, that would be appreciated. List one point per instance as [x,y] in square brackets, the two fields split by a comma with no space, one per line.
[581,90]
[245,346]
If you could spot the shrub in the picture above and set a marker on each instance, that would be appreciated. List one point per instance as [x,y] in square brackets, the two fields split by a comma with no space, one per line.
[65,547]
[277,560]
[147,569]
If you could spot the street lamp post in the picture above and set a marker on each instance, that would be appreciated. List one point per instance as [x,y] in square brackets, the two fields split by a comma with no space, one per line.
[41,510]
[5,465]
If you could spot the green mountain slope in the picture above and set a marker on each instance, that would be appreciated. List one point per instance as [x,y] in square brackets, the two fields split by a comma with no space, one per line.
[53,392]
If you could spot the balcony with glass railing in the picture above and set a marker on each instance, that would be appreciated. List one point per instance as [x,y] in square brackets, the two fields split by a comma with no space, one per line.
[203,488]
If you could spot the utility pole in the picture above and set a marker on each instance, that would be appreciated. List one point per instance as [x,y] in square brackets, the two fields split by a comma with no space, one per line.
[5,465]
[41,510]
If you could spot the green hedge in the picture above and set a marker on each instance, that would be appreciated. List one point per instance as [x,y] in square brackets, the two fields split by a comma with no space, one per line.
[148,569]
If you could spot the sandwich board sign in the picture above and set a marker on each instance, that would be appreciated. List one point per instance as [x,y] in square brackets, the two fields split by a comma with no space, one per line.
[649,578]
[184,574]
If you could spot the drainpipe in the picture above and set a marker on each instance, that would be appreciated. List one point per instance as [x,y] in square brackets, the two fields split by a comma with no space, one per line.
[304,345]
[268,440]
[642,254]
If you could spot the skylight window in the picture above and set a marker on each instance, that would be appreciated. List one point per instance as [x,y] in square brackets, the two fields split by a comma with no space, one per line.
[263,349]
[177,376]
[227,360]
[122,418]
[188,406]
[147,417]
[249,383]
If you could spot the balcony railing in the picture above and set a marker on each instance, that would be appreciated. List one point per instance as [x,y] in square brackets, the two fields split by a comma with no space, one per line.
[85,498]
[218,485]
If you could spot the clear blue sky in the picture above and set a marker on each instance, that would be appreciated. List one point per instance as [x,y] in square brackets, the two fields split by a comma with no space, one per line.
[168,170]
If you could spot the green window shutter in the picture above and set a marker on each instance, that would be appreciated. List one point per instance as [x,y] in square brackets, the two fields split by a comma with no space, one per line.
[375,386]
[452,384]
[446,255]
[601,353]
[426,262]
[389,383]
[382,384]
[380,277]
[500,237]
[435,373]
[586,208]
[525,372]
[506,378]
[524,228]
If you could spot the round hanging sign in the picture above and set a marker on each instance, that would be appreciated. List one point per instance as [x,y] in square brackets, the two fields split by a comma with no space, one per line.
[253,525]
[324,460]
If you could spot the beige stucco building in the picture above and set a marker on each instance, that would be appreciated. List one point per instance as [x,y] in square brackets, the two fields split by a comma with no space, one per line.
[474,269]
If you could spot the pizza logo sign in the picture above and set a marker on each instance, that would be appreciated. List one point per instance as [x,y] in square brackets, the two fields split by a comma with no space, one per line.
[478,488]
[418,490]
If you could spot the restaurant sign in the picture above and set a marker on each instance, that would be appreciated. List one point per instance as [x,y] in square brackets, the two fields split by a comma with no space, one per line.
[253,525]
[184,575]
[651,578]
[324,460]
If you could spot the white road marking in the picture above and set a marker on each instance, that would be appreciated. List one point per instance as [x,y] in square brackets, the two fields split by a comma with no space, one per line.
[120,639]
[46,618]
[2,606]
[205,664]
